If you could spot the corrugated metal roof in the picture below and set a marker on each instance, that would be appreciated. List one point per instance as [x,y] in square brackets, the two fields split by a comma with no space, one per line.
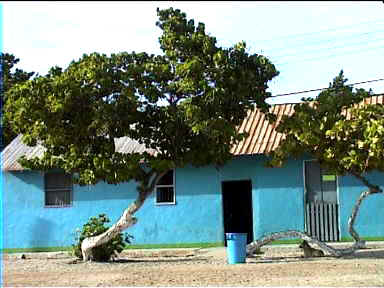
[127,145]
[262,138]
[17,148]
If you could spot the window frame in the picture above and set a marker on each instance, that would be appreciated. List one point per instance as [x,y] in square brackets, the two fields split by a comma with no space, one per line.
[304,182]
[50,190]
[167,186]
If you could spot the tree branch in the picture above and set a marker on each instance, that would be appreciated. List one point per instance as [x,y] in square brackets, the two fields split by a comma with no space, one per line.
[126,220]
[373,188]
[252,247]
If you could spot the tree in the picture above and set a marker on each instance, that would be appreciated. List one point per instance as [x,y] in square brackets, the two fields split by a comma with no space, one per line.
[8,78]
[185,105]
[342,142]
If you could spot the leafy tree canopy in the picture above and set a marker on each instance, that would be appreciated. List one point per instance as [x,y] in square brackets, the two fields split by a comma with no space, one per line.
[342,142]
[343,134]
[8,78]
[185,104]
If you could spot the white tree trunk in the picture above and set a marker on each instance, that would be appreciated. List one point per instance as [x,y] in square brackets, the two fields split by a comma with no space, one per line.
[252,247]
[372,189]
[358,244]
[352,217]
[126,220]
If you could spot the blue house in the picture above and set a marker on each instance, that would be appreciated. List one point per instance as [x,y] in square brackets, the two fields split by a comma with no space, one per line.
[192,205]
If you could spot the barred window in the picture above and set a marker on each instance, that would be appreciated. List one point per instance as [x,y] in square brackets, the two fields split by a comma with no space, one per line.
[165,189]
[58,189]
[320,185]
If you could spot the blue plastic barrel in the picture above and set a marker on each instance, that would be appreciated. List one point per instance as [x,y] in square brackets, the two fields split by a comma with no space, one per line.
[236,247]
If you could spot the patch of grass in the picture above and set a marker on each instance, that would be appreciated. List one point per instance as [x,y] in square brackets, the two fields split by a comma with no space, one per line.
[287,241]
[35,249]
[142,246]
[348,239]
[171,246]
[343,239]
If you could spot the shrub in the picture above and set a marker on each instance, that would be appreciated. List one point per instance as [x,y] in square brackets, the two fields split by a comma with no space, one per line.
[104,252]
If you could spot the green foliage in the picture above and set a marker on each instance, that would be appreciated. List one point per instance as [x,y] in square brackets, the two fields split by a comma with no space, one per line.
[322,129]
[95,226]
[185,104]
[8,78]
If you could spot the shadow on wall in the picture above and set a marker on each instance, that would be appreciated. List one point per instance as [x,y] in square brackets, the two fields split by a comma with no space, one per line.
[104,191]
[33,182]
[203,180]
[33,178]
[375,178]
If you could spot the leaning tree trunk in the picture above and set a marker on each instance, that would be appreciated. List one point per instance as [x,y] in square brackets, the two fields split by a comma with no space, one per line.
[352,218]
[372,189]
[126,220]
[255,245]
[358,244]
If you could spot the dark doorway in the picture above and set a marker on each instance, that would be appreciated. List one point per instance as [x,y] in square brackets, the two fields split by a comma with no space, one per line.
[237,208]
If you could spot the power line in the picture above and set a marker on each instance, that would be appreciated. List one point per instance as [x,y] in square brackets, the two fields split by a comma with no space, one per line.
[319,89]
[291,37]
[299,52]
[308,43]
[323,31]
[337,46]
[359,51]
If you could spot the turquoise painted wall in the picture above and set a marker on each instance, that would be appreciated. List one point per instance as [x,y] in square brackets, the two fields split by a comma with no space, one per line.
[370,219]
[29,224]
[277,193]
[197,216]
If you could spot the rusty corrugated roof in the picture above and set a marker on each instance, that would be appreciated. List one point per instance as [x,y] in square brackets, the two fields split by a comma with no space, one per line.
[262,138]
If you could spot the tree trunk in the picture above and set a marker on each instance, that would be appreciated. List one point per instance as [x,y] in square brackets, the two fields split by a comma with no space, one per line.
[358,244]
[126,220]
[372,189]
[352,218]
[255,245]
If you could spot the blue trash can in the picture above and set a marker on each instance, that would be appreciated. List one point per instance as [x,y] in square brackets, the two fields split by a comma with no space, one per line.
[236,247]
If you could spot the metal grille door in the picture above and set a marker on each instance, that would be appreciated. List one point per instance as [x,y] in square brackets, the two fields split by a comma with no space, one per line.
[322,221]
[322,218]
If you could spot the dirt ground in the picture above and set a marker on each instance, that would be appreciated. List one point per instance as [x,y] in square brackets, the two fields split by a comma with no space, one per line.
[277,266]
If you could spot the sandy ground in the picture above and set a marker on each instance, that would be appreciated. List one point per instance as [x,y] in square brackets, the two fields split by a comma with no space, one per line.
[277,266]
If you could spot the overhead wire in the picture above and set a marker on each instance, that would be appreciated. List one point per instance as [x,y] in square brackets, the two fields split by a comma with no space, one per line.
[323,31]
[325,42]
[335,39]
[322,49]
[359,51]
[312,34]
[320,89]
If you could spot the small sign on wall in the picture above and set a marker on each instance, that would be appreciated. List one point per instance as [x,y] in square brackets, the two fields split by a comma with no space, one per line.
[329,178]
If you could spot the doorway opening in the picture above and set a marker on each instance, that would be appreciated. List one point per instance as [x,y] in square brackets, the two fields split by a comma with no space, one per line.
[237,208]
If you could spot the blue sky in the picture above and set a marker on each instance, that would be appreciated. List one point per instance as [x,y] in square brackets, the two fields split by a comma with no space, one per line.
[309,42]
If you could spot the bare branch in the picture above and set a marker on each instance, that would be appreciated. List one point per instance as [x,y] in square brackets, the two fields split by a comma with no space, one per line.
[252,247]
